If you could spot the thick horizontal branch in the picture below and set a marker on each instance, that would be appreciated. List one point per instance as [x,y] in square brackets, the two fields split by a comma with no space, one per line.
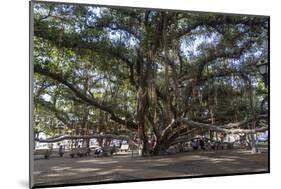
[227,128]
[179,125]
[67,137]
[183,126]
[84,97]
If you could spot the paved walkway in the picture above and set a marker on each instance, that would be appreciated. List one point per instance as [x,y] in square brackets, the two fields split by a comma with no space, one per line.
[123,167]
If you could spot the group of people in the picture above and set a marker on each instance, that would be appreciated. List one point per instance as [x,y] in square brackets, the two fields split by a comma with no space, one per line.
[203,144]
[198,143]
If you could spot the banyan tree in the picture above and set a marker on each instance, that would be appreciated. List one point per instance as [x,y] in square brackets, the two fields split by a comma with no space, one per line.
[150,73]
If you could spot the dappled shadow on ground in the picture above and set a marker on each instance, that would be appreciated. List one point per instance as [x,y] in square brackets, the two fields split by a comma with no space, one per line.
[90,169]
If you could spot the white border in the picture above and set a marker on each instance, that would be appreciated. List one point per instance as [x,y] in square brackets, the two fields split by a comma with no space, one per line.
[14,32]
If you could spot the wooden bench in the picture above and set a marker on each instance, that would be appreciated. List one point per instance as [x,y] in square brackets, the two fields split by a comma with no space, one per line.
[45,152]
[222,146]
[79,152]
[230,145]
[124,147]
[61,153]
[108,151]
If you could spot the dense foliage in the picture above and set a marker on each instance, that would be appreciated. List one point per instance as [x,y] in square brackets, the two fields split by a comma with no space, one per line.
[147,73]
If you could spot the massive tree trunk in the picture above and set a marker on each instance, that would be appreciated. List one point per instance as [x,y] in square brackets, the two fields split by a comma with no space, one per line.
[142,110]
[142,107]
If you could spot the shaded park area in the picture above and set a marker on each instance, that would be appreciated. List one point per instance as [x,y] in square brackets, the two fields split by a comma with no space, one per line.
[128,93]
[125,167]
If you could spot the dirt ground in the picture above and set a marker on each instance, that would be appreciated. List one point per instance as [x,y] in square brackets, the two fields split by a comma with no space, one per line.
[65,170]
